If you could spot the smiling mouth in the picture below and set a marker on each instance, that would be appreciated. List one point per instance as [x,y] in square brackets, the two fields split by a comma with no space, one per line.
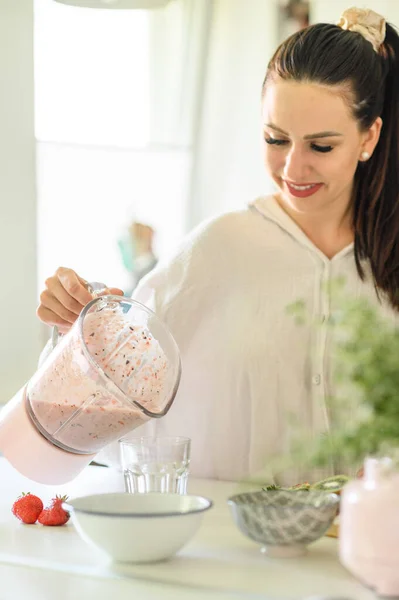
[304,190]
[303,187]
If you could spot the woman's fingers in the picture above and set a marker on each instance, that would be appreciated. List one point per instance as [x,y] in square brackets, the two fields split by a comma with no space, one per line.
[64,297]
[113,291]
[52,304]
[74,285]
[50,318]
[55,291]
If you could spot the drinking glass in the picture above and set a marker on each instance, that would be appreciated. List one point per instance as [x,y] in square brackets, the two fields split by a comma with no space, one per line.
[155,464]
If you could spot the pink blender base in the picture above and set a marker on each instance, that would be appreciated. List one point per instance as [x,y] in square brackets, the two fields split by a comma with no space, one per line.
[30,453]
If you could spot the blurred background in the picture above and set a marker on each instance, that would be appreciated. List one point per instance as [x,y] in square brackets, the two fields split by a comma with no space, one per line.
[120,130]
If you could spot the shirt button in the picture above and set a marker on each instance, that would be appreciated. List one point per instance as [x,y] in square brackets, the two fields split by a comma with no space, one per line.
[316,379]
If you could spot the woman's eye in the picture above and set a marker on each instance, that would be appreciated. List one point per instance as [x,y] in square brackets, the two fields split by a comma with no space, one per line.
[278,142]
[321,148]
[274,141]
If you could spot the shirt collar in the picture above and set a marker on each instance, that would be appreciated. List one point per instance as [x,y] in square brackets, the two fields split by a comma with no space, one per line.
[270,209]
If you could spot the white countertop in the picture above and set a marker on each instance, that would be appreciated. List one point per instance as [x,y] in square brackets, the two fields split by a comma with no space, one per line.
[220,563]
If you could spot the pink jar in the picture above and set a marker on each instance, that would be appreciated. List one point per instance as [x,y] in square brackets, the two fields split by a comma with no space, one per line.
[369,527]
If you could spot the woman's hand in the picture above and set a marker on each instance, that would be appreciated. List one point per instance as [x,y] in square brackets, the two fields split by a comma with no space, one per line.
[64,296]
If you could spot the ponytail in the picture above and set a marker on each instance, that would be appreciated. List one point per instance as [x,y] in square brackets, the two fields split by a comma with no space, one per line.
[376,190]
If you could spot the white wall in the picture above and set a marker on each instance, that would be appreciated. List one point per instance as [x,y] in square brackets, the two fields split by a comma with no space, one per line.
[228,167]
[19,328]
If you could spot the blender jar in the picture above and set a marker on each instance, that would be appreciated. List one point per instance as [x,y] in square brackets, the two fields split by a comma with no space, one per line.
[116,368]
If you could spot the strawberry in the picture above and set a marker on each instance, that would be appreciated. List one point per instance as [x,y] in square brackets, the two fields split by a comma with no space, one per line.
[27,508]
[54,514]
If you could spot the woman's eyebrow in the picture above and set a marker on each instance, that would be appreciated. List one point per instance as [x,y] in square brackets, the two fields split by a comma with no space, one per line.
[311,136]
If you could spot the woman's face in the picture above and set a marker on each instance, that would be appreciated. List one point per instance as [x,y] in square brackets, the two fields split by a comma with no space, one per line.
[312,145]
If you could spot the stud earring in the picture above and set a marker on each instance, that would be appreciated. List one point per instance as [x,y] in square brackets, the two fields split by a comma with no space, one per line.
[365,155]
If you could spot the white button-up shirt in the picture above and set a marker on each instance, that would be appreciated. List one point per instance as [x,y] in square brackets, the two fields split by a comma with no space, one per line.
[252,378]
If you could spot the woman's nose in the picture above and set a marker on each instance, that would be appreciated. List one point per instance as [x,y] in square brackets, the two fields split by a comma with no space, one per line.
[297,166]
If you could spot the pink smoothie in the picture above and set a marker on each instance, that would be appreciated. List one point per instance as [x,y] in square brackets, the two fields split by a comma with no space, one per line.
[79,407]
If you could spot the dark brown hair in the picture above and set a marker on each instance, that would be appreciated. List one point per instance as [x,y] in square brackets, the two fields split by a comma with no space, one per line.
[329,55]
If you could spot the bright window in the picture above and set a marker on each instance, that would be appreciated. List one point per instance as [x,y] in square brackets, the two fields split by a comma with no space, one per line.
[92,75]
[96,170]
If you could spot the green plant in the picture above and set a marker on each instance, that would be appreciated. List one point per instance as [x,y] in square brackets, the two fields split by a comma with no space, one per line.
[365,404]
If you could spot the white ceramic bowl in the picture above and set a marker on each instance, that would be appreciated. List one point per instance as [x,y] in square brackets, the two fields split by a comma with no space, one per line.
[138,527]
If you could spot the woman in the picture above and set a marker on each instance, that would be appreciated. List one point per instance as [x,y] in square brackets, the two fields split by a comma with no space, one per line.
[330,113]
